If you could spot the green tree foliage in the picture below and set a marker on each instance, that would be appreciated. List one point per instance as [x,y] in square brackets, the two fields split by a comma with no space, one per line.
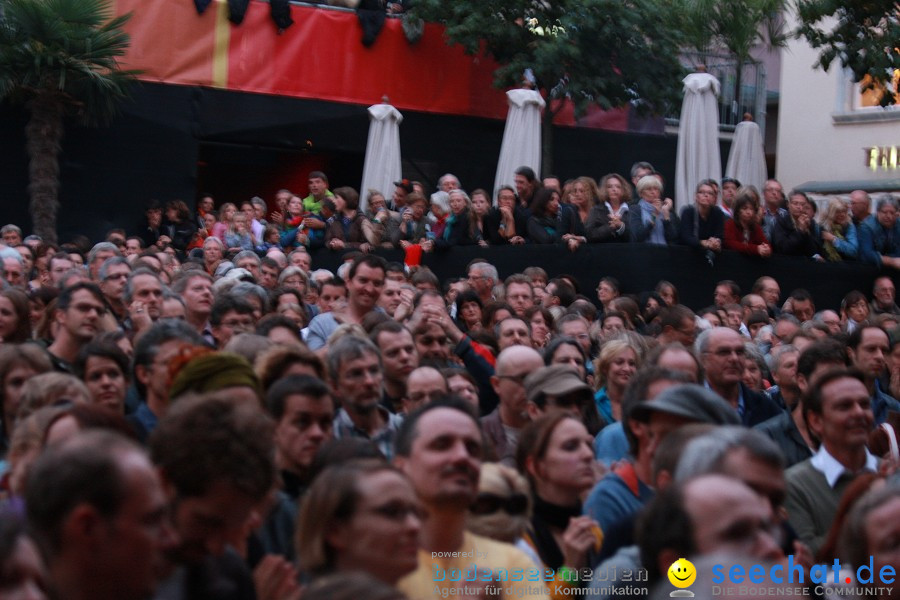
[863,35]
[603,52]
[59,58]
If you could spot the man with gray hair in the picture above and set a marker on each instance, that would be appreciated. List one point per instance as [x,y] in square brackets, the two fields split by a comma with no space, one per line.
[879,235]
[13,267]
[12,235]
[482,279]
[97,509]
[113,276]
[782,363]
[721,351]
[448,182]
[98,255]
[143,297]
[357,378]
[741,453]
[247,259]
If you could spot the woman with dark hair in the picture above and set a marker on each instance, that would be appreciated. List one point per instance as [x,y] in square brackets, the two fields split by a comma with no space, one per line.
[668,292]
[507,223]
[458,226]
[743,233]
[854,310]
[15,317]
[361,515]
[469,311]
[556,454]
[481,206]
[345,229]
[608,219]
[541,321]
[552,222]
[178,225]
[702,223]
[651,304]
[494,312]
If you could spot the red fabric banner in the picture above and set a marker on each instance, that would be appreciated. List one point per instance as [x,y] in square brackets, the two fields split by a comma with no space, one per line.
[320,57]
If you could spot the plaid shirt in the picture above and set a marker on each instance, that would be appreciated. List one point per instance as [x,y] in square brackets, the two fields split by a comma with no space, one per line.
[384,438]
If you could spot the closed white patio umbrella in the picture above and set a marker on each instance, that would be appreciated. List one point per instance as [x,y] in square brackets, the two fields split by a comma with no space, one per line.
[747,159]
[382,165]
[698,155]
[521,146]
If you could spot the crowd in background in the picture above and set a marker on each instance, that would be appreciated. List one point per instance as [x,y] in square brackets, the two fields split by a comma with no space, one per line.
[195,410]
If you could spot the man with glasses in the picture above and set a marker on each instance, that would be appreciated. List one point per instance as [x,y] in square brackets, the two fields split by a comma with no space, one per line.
[721,352]
[502,426]
[482,279]
[113,277]
[79,310]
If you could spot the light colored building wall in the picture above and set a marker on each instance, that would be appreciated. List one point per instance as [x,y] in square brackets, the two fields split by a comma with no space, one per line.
[821,134]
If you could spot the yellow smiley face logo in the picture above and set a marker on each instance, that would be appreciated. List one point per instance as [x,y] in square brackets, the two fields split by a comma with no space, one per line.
[682,573]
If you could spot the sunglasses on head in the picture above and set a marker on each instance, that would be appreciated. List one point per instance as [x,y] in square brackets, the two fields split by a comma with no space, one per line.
[486,504]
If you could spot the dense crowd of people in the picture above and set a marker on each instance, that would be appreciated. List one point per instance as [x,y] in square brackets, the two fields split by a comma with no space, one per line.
[572,213]
[197,411]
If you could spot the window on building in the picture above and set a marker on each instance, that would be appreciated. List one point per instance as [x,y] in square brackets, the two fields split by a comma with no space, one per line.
[868,98]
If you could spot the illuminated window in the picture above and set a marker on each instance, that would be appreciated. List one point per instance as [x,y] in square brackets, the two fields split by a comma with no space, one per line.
[869,98]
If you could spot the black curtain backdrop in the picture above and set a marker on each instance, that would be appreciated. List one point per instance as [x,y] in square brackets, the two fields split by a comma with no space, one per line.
[638,267]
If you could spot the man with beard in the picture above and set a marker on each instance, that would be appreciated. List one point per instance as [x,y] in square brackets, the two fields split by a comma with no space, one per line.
[357,378]
[364,284]
[399,357]
[440,449]
[79,309]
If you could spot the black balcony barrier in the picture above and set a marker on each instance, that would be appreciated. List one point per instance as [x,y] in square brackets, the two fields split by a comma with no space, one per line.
[639,267]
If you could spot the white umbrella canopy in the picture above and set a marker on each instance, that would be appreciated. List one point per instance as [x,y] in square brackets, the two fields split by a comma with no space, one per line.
[747,159]
[521,146]
[382,165]
[698,156]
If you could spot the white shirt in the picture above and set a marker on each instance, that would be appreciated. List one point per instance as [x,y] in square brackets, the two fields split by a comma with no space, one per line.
[832,469]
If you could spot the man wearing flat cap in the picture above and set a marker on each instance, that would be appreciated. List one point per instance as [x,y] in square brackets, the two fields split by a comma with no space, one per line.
[622,493]
[557,387]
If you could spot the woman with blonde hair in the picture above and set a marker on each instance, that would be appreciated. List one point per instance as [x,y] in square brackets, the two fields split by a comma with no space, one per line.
[362,515]
[838,232]
[614,367]
[608,219]
[502,509]
[583,197]
[225,221]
